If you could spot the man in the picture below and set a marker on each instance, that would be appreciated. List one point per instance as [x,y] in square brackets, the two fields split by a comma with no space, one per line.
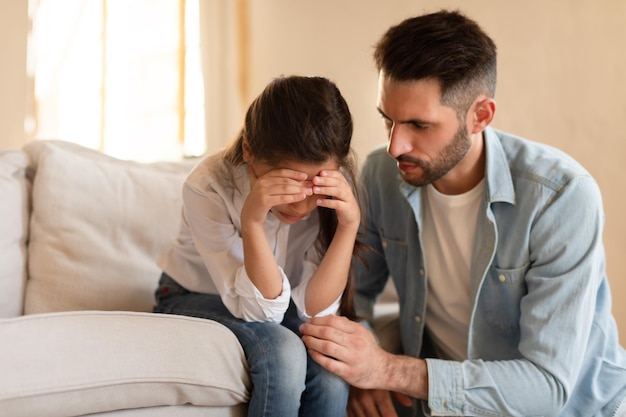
[494,244]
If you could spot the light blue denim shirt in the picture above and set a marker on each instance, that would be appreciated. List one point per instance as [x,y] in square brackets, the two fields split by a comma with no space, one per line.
[542,340]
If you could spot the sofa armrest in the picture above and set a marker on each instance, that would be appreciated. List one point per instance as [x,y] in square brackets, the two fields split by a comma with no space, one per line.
[61,364]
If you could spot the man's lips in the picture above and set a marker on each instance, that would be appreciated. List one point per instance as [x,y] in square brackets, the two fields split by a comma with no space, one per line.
[408,164]
[406,167]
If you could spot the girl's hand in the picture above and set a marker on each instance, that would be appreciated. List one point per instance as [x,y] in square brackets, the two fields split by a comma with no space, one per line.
[339,196]
[278,186]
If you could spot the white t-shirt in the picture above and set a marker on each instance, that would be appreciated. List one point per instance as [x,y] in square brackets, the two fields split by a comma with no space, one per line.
[448,235]
[207,256]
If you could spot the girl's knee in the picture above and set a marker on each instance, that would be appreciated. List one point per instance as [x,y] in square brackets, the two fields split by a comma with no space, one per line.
[292,346]
[279,352]
[291,357]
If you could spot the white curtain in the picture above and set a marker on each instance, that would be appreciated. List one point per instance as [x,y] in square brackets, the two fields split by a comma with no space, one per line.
[223,34]
[142,79]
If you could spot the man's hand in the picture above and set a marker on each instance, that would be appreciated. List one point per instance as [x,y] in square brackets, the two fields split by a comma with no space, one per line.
[347,349]
[374,403]
[350,351]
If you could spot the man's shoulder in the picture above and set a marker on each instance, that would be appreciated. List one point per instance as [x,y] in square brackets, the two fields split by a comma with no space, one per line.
[379,160]
[532,159]
[381,179]
[379,152]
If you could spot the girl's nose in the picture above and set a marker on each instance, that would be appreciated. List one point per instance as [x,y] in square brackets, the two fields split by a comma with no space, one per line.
[305,206]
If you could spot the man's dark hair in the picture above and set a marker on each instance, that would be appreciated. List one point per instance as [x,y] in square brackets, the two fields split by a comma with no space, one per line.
[445,46]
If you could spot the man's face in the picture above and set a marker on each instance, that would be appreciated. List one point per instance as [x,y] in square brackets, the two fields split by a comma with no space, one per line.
[425,137]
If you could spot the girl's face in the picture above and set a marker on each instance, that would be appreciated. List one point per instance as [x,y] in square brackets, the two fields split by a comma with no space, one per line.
[294,212]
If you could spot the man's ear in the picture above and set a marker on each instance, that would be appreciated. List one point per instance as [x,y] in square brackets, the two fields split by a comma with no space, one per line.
[247,152]
[482,114]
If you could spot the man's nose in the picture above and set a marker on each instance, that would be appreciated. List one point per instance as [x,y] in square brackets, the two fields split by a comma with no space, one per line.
[399,141]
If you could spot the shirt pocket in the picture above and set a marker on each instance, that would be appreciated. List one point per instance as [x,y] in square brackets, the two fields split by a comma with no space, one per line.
[501,295]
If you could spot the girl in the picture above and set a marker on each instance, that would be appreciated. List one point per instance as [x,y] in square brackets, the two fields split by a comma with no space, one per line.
[268,233]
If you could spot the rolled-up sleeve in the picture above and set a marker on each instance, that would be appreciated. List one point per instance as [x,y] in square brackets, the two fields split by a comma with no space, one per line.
[245,301]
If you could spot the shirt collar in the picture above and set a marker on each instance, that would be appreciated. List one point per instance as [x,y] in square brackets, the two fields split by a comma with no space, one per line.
[498,172]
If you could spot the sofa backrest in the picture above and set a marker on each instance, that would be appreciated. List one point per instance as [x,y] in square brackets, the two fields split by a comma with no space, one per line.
[14,213]
[97,226]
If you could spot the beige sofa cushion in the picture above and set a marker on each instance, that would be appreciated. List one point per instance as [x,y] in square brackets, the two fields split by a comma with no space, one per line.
[13,231]
[68,364]
[97,227]
[239,410]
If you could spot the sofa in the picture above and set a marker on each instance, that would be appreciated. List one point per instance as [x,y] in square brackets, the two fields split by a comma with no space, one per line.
[80,233]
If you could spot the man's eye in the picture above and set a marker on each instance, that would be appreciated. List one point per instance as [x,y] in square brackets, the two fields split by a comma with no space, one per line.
[419,126]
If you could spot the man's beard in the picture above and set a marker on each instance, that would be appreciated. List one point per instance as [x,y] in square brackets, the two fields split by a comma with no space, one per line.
[449,157]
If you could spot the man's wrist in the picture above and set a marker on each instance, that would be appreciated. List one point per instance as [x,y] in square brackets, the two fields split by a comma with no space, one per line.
[406,375]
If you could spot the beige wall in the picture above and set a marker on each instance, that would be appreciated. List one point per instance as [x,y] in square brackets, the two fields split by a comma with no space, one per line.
[13,29]
[561,77]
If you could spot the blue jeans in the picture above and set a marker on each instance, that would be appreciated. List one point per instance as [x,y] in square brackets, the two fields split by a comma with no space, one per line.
[285,380]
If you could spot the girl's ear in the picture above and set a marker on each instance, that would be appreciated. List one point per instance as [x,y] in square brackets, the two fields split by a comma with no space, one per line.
[247,152]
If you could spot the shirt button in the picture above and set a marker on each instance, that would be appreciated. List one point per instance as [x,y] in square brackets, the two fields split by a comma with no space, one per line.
[501,277]
[422,272]
[385,245]
[418,319]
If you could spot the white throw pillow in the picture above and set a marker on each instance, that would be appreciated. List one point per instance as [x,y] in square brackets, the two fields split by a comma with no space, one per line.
[13,231]
[97,226]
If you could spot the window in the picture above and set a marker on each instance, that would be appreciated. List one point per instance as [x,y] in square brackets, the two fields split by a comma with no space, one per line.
[120,76]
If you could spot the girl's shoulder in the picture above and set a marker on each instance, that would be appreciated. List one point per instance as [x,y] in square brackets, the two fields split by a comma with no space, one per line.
[215,172]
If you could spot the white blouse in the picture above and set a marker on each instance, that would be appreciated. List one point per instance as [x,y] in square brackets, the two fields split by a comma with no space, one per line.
[207,256]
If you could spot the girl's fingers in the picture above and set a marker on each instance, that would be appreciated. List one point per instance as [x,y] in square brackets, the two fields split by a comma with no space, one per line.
[335,193]
[288,189]
[282,185]
[287,174]
[333,184]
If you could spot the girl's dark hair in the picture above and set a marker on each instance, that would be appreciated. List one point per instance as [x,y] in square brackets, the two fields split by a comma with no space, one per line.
[444,46]
[303,119]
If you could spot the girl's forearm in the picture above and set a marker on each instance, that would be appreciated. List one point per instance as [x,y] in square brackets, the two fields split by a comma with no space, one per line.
[329,281]
[260,263]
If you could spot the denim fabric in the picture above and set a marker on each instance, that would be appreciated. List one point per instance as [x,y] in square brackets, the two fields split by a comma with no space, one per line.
[621,410]
[285,380]
[542,340]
